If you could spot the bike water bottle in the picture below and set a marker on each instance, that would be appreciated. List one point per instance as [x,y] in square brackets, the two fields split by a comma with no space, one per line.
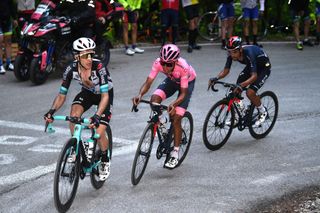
[163,120]
[240,106]
[90,148]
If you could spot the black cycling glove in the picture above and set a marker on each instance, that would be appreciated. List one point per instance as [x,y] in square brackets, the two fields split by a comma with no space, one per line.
[95,120]
[49,114]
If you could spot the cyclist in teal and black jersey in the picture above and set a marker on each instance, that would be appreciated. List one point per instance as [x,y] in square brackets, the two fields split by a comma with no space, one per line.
[96,90]
[253,76]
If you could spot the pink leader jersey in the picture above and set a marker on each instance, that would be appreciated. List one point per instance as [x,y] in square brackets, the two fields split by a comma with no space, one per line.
[182,74]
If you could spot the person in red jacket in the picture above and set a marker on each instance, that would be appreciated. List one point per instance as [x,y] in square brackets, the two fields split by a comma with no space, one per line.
[169,17]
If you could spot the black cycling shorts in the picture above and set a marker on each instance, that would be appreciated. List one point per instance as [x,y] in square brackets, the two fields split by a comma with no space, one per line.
[86,99]
[192,11]
[263,75]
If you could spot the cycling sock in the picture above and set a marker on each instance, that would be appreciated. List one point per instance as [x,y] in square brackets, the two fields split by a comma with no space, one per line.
[104,157]
[254,39]
[261,109]
[0,61]
[175,152]
[8,61]
[195,34]
[223,42]
[133,46]
[247,39]
[163,35]
[174,34]
[190,38]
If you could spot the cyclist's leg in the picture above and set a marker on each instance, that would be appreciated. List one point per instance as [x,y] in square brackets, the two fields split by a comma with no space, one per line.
[165,21]
[166,89]
[230,16]
[306,27]
[246,18]
[223,16]
[254,15]
[80,104]
[255,86]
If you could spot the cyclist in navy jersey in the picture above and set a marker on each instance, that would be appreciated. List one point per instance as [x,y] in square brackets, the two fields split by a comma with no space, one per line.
[96,90]
[253,76]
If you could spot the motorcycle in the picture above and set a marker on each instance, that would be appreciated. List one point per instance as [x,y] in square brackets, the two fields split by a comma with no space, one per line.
[27,44]
[54,50]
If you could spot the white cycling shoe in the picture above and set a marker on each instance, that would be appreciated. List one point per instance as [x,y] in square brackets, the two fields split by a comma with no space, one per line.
[104,170]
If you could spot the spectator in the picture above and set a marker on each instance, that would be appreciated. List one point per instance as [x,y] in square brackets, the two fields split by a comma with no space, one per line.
[192,11]
[82,14]
[25,10]
[7,14]
[300,9]
[251,12]
[318,21]
[169,17]
[226,15]
[131,16]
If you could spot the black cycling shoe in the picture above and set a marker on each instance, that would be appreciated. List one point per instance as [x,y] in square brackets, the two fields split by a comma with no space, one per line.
[307,42]
[189,49]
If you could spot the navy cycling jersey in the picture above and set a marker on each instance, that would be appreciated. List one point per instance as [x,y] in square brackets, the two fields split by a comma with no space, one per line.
[100,78]
[253,57]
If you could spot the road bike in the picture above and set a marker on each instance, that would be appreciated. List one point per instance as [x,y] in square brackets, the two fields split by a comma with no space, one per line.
[79,157]
[227,114]
[209,26]
[161,126]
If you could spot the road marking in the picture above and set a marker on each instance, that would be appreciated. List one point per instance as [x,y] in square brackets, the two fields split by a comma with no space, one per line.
[46,148]
[269,179]
[16,140]
[21,125]
[43,170]
[7,159]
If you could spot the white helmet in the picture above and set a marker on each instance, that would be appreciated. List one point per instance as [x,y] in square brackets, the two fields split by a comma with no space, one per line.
[83,44]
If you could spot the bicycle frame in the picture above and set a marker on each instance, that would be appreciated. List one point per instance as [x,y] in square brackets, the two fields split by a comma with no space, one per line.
[80,125]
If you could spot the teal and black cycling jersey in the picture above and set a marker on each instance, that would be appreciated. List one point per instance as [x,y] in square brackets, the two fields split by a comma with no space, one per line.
[100,78]
[253,57]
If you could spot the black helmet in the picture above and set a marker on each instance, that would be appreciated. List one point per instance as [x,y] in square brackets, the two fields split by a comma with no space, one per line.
[234,42]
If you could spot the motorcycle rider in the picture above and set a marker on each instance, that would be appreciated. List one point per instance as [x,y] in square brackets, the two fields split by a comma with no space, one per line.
[82,14]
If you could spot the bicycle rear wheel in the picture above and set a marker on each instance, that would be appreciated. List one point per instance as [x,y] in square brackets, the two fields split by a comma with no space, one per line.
[270,101]
[215,131]
[66,177]
[208,26]
[187,132]
[94,176]
[142,154]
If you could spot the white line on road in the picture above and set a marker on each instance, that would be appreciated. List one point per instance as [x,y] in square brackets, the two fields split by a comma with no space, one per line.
[127,147]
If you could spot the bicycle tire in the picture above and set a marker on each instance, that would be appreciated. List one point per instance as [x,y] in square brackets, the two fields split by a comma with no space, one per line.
[208,29]
[72,177]
[138,169]
[267,98]
[187,134]
[216,121]
[94,175]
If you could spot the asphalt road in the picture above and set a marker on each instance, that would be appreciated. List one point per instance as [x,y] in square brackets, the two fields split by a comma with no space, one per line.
[233,179]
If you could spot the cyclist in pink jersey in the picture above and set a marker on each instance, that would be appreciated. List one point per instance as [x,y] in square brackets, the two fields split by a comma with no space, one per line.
[180,77]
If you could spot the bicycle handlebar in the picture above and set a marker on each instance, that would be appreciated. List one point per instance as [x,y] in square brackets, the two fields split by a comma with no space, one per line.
[225,84]
[75,120]
[135,107]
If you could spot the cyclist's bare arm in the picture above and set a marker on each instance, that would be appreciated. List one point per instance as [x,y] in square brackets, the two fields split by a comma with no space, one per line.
[103,103]
[143,90]
[58,101]
[223,73]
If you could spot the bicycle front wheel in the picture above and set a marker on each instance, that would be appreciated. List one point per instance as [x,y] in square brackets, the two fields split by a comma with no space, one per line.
[94,176]
[187,132]
[270,101]
[218,125]
[142,154]
[208,26]
[66,177]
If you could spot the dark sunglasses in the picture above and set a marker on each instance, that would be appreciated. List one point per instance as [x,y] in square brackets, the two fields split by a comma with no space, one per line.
[86,56]
[166,64]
